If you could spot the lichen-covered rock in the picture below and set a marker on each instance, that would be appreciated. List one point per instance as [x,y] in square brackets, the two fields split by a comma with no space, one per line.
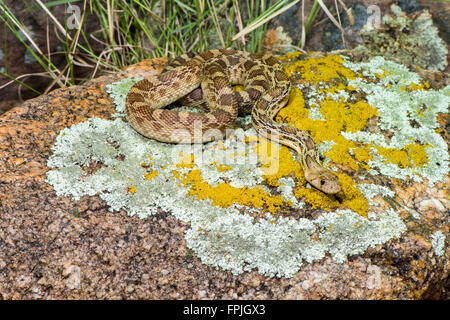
[97,211]
[409,40]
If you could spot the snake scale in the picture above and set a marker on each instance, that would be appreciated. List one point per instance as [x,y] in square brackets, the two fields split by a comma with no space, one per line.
[205,81]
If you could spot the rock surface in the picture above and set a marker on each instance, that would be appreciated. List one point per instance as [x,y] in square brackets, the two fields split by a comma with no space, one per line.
[57,248]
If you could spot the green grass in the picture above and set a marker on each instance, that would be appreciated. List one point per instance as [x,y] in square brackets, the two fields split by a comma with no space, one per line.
[130,31]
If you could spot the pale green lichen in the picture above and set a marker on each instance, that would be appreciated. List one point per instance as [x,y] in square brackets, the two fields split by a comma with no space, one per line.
[413,41]
[438,243]
[410,116]
[370,191]
[286,189]
[118,92]
[324,147]
[345,232]
[314,114]
[236,243]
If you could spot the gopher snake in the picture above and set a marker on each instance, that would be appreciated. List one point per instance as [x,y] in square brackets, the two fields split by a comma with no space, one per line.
[266,91]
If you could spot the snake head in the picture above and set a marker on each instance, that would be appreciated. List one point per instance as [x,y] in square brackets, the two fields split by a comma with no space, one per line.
[323,179]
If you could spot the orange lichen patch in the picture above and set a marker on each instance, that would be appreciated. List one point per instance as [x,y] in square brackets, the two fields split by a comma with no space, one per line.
[351,197]
[224,195]
[321,69]
[103,101]
[17,161]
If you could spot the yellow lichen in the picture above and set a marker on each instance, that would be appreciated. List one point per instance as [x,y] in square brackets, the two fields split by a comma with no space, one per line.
[278,164]
[222,168]
[290,56]
[320,69]
[395,156]
[352,197]
[132,189]
[362,155]
[410,156]
[417,154]
[316,198]
[339,153]
[339,116]
[251,139]
[349,197]
[224,195]
[187,162]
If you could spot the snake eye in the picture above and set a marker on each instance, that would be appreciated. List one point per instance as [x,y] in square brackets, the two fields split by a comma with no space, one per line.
[322,182]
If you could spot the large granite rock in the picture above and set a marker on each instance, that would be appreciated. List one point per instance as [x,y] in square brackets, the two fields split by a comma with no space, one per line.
[55,247]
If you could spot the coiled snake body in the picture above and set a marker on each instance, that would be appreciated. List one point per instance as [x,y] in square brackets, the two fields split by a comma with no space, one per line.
[205,81]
